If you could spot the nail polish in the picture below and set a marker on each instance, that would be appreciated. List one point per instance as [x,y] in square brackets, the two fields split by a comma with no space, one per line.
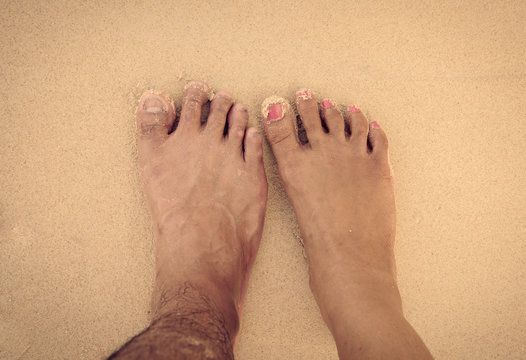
[154,105]
[304,94]
[375,125]
[353,109]
[275,112]
[327,103]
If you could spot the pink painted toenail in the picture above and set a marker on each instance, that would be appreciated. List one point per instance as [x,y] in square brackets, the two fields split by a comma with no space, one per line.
[304,94]
[326,103]
[353,109]
[375,125]
[153,104]
[275,112]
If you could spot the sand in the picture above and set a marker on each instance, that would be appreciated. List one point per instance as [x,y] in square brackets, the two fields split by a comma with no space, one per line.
[446,80]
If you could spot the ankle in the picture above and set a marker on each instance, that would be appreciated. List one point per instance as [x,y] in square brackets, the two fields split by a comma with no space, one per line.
[197,302]
[337,272]
[344,291]
[352,313]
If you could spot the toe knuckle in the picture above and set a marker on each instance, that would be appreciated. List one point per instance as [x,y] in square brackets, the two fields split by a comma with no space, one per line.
[358,130]
[192,102]
[238,132]
[224,97]
[196,96]
[222,106]
[276,137]
[147,128]
[359,124]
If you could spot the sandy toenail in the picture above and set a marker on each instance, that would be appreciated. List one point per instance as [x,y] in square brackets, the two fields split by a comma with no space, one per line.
[273,108]
[353,109]
[154,104]
[202,86]
[375,125]
[304,94]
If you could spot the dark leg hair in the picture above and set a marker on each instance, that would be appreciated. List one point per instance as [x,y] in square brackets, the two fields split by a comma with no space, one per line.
[193,328]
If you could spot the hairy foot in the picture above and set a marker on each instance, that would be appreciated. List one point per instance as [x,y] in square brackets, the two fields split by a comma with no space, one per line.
[206,190]
[341,187]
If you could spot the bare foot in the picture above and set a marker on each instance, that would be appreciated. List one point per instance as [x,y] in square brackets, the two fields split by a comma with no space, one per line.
[207,194]
[341,188]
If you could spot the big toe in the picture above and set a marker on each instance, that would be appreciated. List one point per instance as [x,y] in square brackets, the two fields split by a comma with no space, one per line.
[154,118]
[279,124]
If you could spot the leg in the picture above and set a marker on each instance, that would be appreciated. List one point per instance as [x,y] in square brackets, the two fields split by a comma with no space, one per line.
[195,329]
[207,195]
[341,187]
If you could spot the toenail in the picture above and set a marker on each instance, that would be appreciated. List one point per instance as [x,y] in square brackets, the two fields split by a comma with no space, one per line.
[223,95]
[274,108]
[353,109]
[375,125]
[275,112]
[304,94]
[240,108]
[196,85]
[201,86]
[327,103]
[154,104]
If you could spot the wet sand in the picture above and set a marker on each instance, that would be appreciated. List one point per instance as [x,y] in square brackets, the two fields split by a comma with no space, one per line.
[447,82]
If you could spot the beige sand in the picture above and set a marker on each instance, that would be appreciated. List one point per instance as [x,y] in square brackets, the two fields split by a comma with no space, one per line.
[447,82]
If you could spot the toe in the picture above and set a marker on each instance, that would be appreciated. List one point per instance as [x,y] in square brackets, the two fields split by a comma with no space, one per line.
[219,108]
[378,140]
[333,118]
[155,118]
[155,115]
[279,123]
[254,150]
[237,123]
[359,129]
[256,170]
[196,94]
[310,116]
